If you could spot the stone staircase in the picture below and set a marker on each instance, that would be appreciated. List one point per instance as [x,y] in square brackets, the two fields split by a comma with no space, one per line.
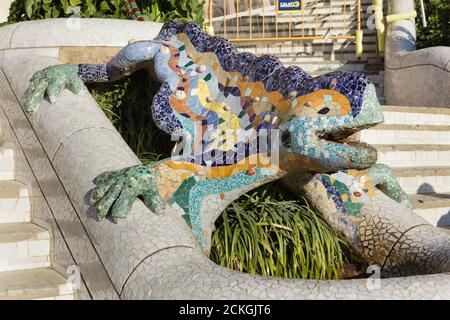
[415,142]
[314,56]
[25,267]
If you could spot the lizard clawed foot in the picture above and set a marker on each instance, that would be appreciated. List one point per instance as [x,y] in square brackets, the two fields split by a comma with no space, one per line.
[116,191]
[52,80]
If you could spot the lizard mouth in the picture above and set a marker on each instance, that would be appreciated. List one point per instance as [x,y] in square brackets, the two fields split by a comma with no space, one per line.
[345,136]
[345,145]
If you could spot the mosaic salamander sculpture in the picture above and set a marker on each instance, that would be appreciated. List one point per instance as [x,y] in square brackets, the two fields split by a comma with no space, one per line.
[243,121]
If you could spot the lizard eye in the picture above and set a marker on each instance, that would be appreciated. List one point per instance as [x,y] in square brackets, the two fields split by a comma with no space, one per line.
[324,110]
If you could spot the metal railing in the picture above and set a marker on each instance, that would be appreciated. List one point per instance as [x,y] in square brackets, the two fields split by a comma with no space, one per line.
[267,20]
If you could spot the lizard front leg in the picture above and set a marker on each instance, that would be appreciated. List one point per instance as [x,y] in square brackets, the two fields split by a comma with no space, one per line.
[384,179]
[52,80]
[198,193]
[341,196]
[116,191]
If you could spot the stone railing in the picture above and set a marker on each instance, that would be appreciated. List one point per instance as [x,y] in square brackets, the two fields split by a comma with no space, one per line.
[146,256]
[414,77]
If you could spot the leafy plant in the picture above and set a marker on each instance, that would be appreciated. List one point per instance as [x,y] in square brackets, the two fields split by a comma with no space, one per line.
[263,233]
[438,31]
[153,10]
[127,104]
[164,10]
[21,10]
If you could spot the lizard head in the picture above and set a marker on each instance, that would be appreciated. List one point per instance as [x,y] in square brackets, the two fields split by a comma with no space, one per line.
[315,132]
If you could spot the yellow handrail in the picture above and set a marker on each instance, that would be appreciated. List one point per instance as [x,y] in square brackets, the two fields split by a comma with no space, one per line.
[211,13]
[379,25]
[401,16]
[359,33]
[349,37]
[359,15]
[208,27]
[237,19]
[224,18]
[294,20]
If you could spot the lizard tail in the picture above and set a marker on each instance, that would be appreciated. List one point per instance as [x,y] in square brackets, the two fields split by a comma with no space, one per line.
[132,10]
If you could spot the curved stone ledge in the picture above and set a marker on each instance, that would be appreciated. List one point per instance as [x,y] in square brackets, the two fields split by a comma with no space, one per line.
[414,77]
[438,57]
[178,273]
[50,33]
[156,256]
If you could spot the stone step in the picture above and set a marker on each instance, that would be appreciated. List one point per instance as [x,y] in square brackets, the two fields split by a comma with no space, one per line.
[14,202]
[300,44]
[318,56]
[284,31]
[34,284]
[407,134]
[424,180]
[261,29]
[23,246]
[434,207]
[414,155]
[416,115]
[270,27]
[301,48]
[321,67]
[340,58]
[261,32]
[333,58]
[316,68]
[358,65]
[7,163]
[320,44]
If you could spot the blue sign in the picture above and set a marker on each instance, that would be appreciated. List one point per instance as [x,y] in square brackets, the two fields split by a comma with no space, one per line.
[289,6]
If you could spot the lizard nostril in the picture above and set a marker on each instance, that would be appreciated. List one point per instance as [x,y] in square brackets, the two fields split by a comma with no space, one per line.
[286,139]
